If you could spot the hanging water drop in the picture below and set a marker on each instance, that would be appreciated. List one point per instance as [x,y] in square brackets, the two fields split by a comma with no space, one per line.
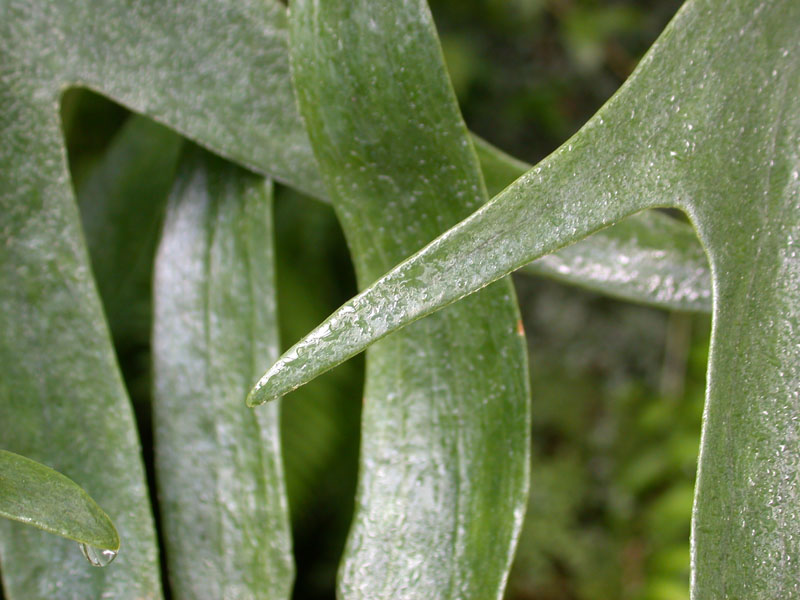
[98,557]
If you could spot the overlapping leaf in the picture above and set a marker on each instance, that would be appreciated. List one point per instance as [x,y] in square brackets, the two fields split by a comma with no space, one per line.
[216,71]
[236,98]
[710,123]
[444,456]
[219,470]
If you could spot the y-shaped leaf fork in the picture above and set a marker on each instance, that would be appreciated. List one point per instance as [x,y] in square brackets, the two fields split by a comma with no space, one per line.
[708,123]
[214,70]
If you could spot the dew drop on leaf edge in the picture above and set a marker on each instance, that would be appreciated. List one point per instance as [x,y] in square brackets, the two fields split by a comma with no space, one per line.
[98,557]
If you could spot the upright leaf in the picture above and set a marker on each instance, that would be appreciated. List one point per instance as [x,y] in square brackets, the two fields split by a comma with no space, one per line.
[62,401]
[710,123]
[219,468]
[444,458]
[35,494]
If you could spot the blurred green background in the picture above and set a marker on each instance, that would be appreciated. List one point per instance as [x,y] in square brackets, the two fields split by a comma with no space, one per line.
[617,388]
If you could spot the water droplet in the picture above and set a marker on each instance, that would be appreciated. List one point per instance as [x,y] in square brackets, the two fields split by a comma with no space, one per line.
[98,557]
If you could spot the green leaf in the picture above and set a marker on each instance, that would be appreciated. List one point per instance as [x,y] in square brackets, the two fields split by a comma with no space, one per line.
[235,98]
[195,100]
[648,257]
[445,441]
[215,71]
[62,401]
[709,123]
[122,206]
[40,496]
[220,477]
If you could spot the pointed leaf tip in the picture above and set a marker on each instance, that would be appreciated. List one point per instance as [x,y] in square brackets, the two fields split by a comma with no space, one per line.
[256,396]
[37,495]
[268,389]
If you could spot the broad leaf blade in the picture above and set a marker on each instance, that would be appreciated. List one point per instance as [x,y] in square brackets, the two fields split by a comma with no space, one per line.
[444,458]
[709,123]
[219,468]
[235,98]
[37,495]
[216,71]
[62,401]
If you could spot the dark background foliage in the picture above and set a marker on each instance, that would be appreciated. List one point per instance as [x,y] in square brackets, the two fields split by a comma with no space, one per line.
[617,388]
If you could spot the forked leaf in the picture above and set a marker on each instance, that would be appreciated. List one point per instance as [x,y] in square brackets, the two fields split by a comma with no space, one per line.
[648,257]
[53,344]
[709,123]
[445,425]
[199,93]
[218,465]
[262,128]
[235,98]
[37,495]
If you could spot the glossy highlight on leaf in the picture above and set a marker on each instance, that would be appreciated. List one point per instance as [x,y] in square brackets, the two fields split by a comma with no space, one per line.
[37,495]
[270,136]
[708,123]
[445,442]
[218,465]
[648,257]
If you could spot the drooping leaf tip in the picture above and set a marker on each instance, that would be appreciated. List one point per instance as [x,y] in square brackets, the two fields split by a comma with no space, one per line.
[113,542]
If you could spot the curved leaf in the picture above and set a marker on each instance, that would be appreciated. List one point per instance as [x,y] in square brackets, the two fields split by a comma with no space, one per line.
[235,98]
[647,257]
[37,495]
[219,470]
[263,131]
[444,457]
[62,401]
[710,123]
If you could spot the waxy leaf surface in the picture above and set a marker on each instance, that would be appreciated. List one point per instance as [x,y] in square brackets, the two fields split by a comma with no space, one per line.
[648,257]
[217,71]
[219,471]
[445,425]
[235,97]
[35,494]
[62,401]
[708,123]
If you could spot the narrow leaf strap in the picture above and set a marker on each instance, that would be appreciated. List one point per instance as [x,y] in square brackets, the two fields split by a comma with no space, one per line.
[710,123]
[62,401]
[218,464]
[648,257]
[444,456]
